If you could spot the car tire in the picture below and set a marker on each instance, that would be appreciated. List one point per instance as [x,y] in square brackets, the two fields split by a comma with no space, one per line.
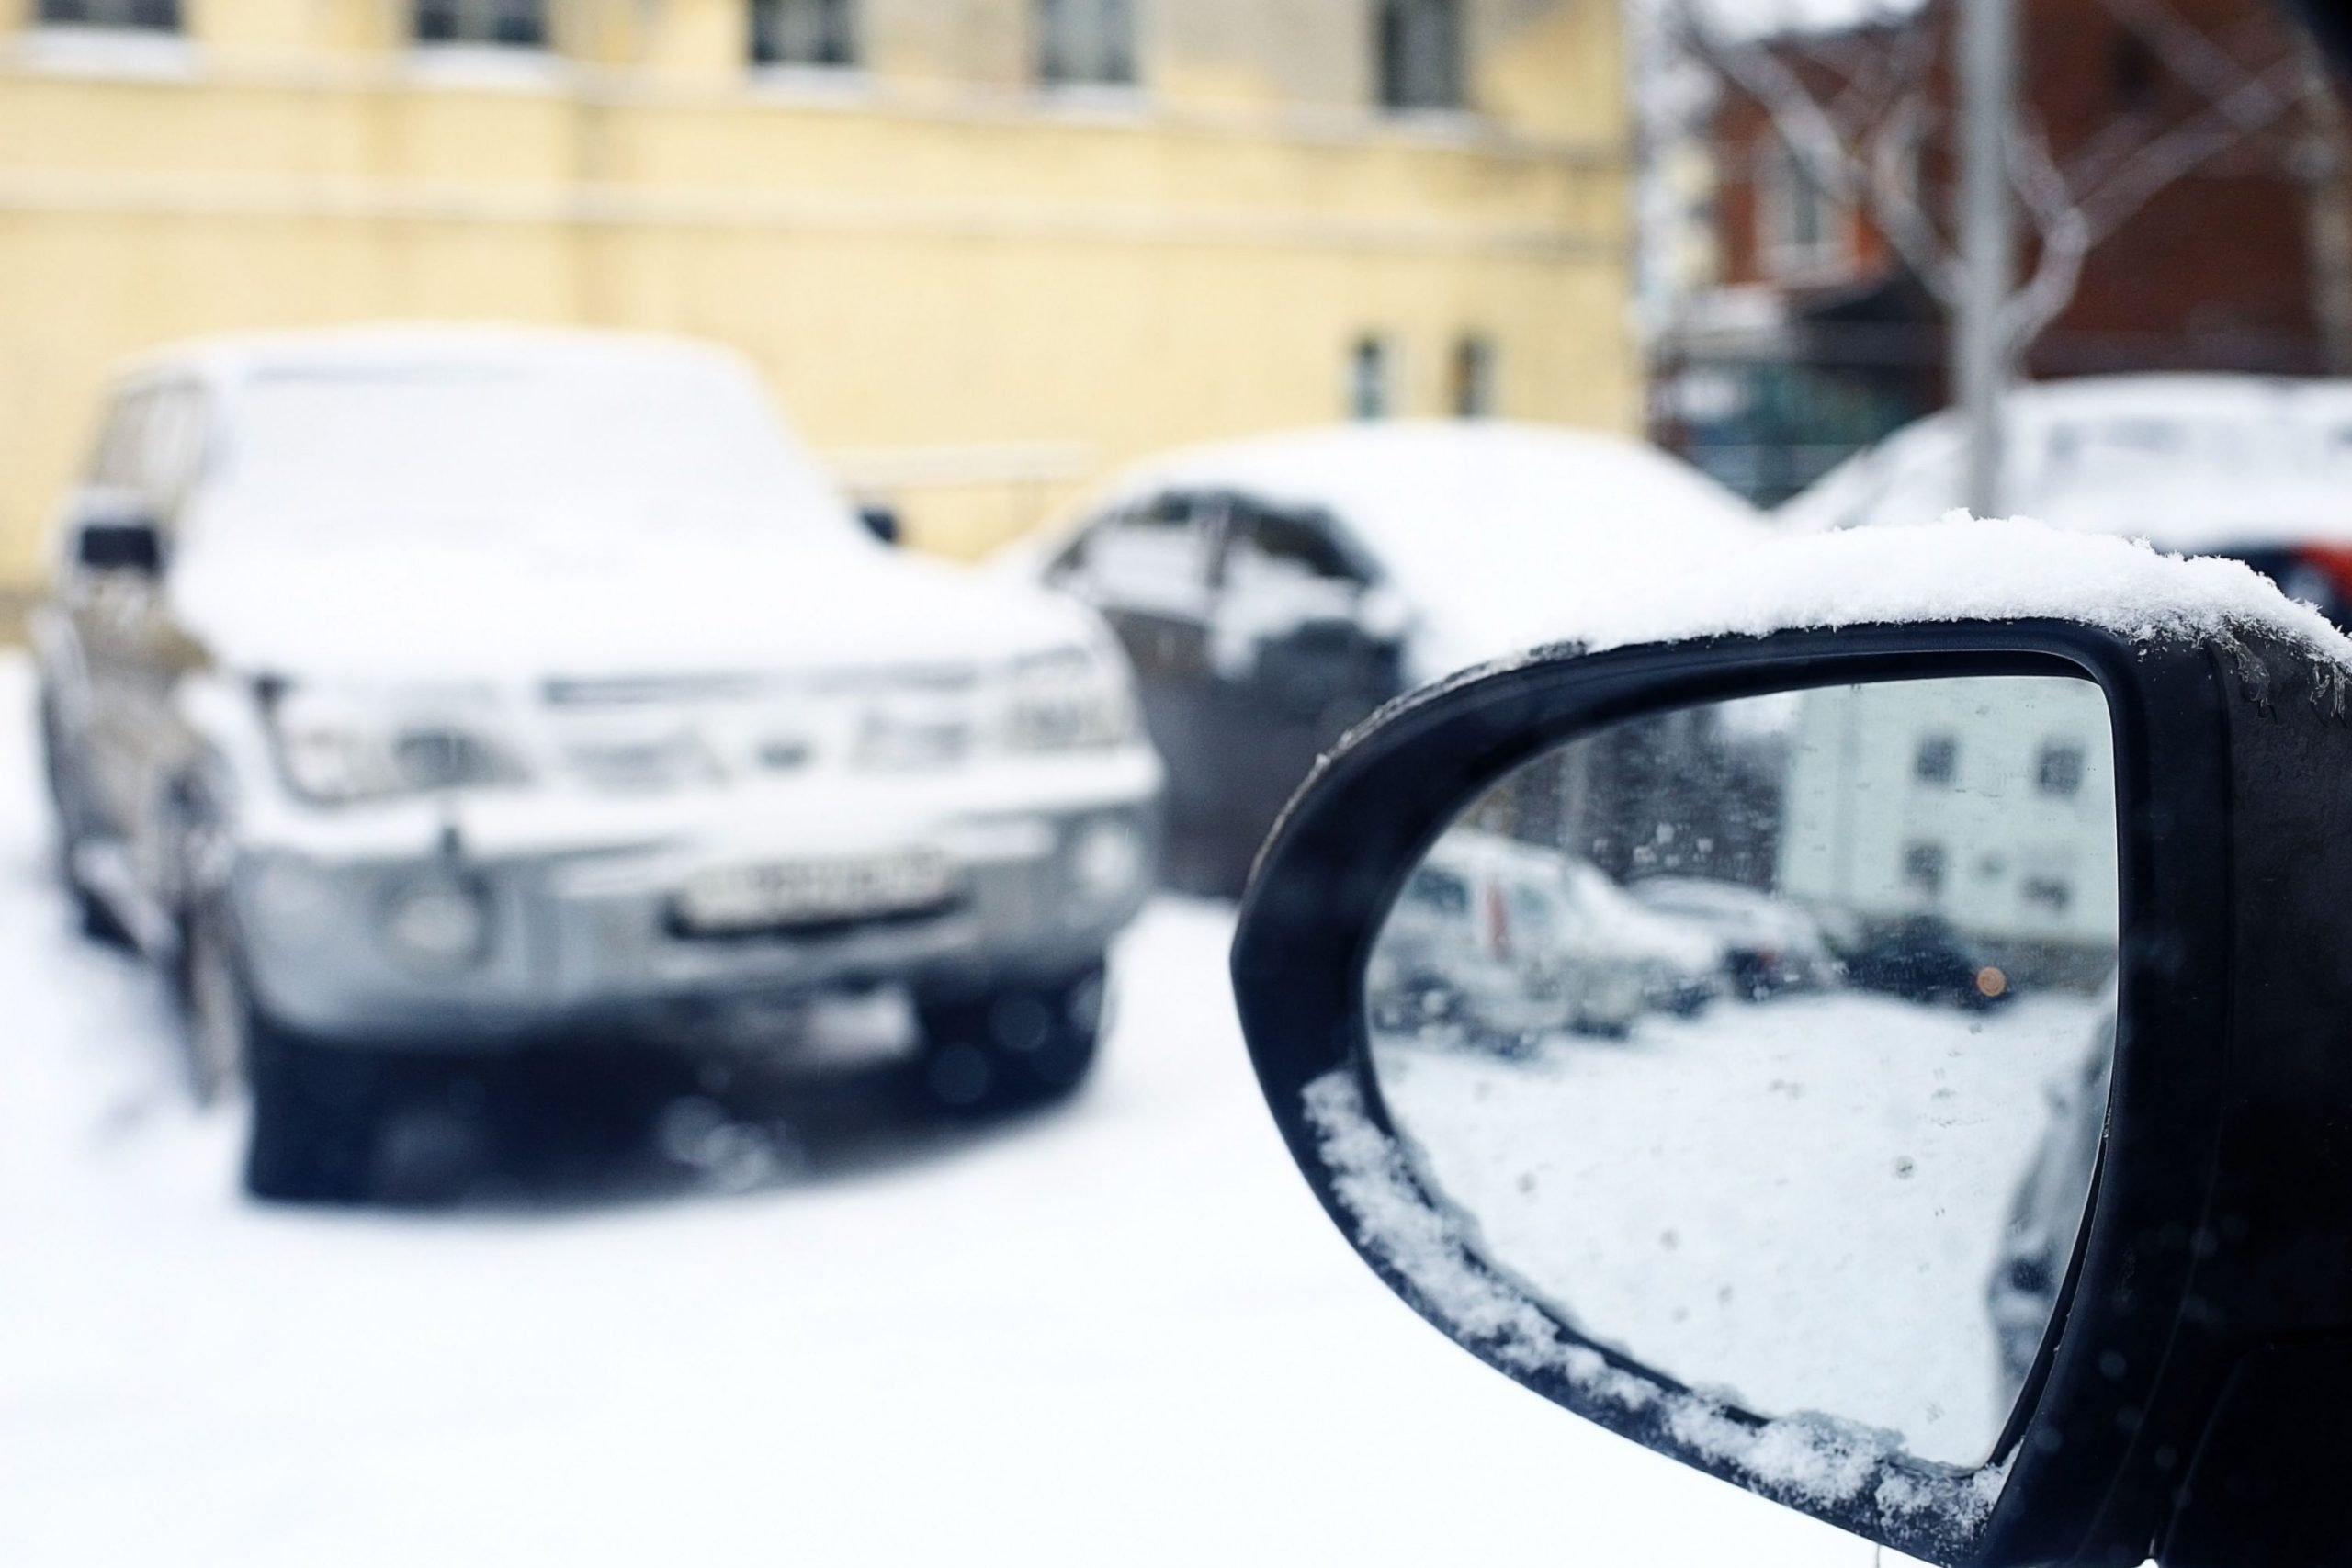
[316,1114]
[1011,1047]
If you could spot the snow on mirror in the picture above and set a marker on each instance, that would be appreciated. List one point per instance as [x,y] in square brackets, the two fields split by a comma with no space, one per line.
[1765,1042]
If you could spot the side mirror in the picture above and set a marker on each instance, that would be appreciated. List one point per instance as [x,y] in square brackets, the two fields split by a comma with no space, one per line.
[882,522]
[1671,1025]
[119,542]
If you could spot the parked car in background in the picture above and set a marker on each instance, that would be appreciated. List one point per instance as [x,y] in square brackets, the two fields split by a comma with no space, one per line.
[1487,938]
[2243,466]
[1770,945]
[477,688]
[1922,959]
[1682,963]
[1272,592]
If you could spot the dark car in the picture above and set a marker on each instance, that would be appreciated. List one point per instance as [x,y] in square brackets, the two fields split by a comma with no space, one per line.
[1271,593]
[1923,959]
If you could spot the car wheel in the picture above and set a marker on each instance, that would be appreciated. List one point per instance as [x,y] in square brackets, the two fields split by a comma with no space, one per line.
[1013,1046]
[317,1116]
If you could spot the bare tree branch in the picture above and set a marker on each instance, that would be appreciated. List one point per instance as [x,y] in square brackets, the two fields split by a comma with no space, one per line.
[1852,113]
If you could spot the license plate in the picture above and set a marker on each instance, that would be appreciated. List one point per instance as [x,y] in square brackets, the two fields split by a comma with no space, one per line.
[816,892]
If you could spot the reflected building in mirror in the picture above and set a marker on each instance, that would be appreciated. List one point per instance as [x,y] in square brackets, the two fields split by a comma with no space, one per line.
[1986,807]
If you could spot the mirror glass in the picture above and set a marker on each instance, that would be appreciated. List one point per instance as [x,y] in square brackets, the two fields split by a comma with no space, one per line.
[1767,1041]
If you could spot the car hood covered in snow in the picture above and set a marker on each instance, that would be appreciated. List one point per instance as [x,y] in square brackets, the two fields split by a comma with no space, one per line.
[400,610]
[1492,533]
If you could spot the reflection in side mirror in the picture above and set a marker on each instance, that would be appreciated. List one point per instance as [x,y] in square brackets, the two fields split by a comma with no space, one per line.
[1731,1033]
[882,522]
[133,545]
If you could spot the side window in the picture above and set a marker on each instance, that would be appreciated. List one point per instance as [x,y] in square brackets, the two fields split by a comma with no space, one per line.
[1148,554]
[170,447]
[114,461]
[1287,544]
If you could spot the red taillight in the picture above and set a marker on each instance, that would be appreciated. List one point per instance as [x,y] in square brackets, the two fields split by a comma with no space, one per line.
[2333,562]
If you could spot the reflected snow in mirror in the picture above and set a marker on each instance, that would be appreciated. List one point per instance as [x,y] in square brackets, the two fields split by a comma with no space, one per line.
[1766,1040]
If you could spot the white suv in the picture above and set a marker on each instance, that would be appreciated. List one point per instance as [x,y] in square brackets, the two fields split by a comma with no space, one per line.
[419,687]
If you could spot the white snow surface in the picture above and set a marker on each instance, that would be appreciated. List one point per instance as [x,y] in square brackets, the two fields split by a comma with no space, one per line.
[1123,1333]
[1826,1461]
[1959,568]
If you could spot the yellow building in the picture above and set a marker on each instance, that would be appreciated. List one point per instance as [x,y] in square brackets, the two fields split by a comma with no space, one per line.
[985,249]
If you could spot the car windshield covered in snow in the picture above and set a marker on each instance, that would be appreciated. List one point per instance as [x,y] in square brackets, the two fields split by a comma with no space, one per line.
[461,446]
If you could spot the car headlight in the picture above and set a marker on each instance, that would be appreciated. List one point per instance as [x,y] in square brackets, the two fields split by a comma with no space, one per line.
[1069,700]
[336,747]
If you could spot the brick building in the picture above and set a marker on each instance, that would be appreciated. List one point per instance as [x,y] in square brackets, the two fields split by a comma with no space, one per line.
[1815,337]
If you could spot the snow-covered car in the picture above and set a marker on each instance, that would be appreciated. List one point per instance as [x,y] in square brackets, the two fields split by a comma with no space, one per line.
[466,688]
[1501,938]
[1272,592]
[1681,963]
[2248,467]
[1769,945]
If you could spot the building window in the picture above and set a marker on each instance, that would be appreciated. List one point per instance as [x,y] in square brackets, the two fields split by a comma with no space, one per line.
[1937,761]
[2061,770]
[143,15]
[1804,224]
[500,24]
[1420,54]
[1086,42]
[802,32]
[1923,868]
[1474,378]
[1368,378]
[2047,893]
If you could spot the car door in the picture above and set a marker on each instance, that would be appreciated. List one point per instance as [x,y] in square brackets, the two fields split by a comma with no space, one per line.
[1299,652]
[132,651]
[1144,566]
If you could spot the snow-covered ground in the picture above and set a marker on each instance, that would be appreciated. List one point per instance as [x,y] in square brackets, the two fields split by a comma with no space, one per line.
[1801,1202]
[1117,1334]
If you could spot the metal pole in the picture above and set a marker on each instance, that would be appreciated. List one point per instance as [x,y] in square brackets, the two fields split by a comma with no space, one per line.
[1981,369]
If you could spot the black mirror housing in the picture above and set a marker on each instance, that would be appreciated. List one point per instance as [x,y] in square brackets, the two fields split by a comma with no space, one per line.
[119,541]
[882,522]
[2202,1347]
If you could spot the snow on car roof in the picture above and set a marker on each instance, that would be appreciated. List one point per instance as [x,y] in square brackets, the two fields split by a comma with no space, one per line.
[1956,569]
[1476,521]
[2191,461]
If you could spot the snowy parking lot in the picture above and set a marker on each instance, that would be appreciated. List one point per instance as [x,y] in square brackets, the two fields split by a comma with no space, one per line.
[775,1320]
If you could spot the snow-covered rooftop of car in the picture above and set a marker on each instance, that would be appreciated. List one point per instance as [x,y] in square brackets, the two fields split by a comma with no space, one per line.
[2194,462]
[1479,523]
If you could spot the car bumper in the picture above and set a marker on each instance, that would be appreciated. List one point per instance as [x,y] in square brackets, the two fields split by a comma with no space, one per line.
[580,932]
